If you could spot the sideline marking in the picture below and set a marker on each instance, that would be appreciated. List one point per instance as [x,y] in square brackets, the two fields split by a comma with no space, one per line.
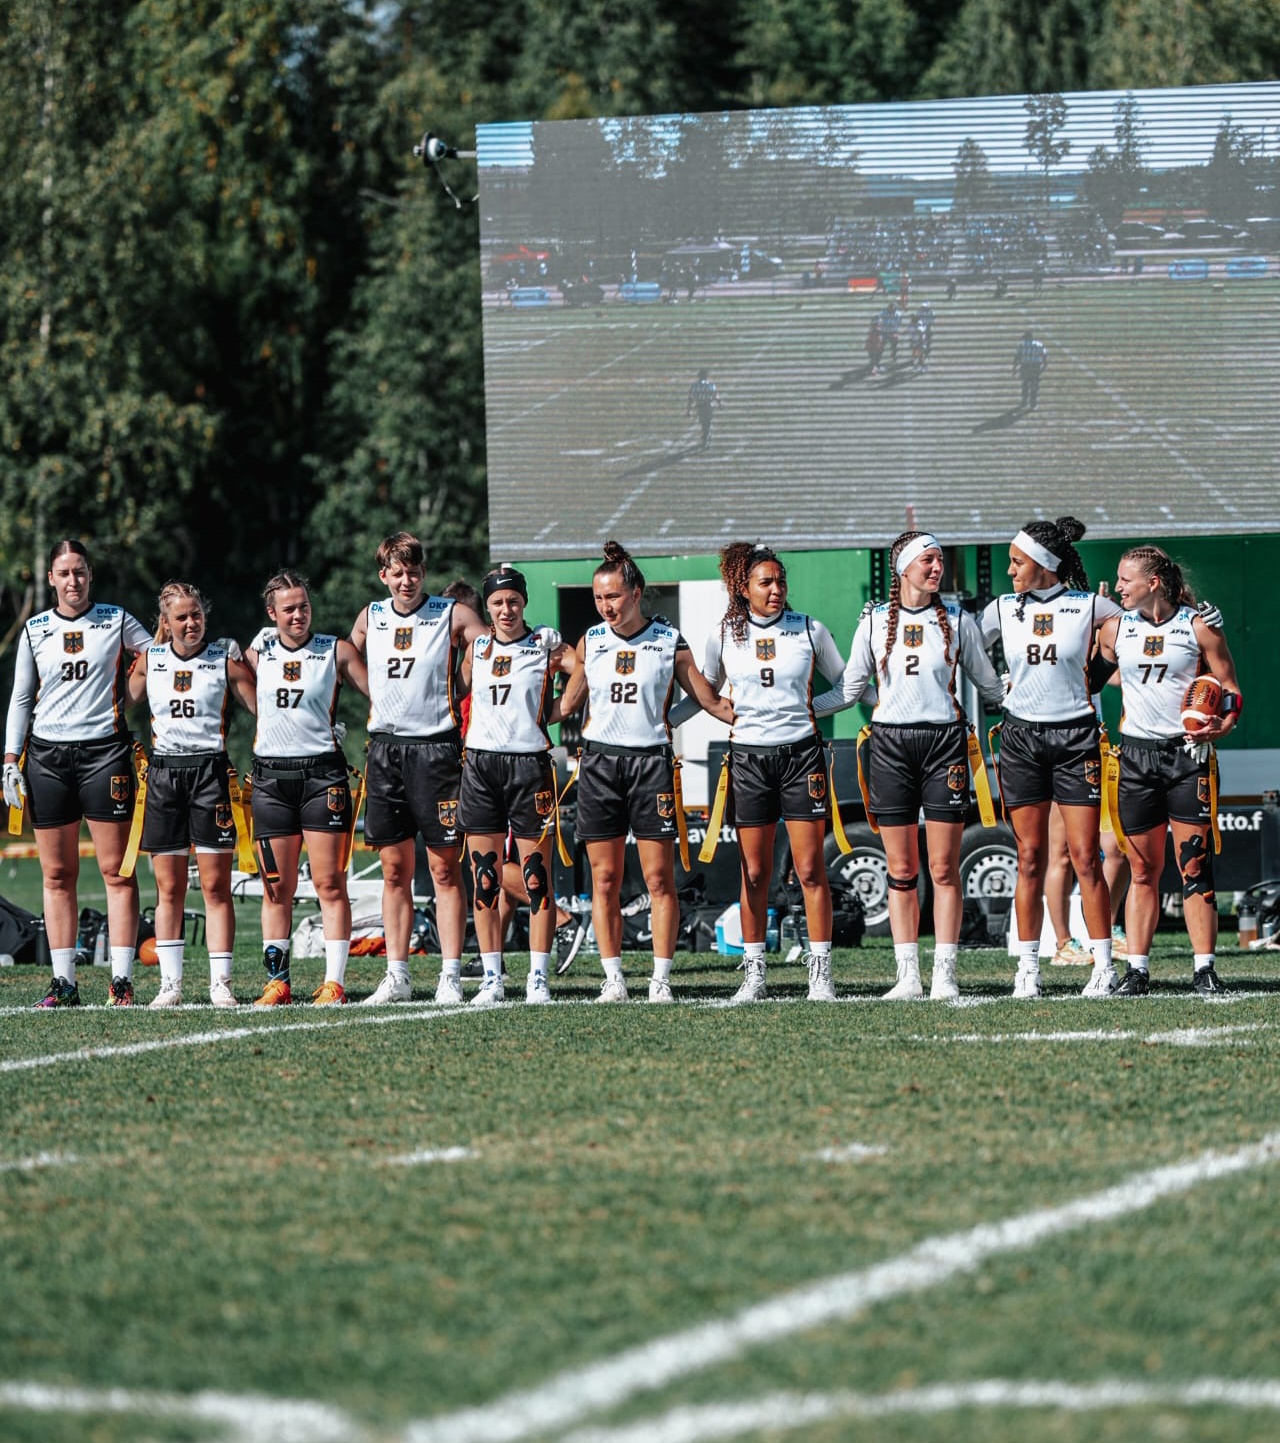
[1177,1037]
[783,1412]
[647,1367]
[430,1154]
[41,1159]
[851,1152]
[230,1034]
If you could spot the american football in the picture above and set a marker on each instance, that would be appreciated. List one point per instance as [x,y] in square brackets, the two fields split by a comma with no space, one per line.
[1201,703]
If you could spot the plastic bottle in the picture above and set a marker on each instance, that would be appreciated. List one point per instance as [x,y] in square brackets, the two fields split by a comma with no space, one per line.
[772,936]
[1247,916]
[584,911]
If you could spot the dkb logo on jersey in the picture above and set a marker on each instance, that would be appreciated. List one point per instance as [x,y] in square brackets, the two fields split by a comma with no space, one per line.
[447,814]
[1042,623]
[1093,773]
[182,680]
[625,663]
[336,798]
[73,641]
[956,777]
[913,635]
[403,639]
[120,788]
[293,671]
[543,803]
[817,785]
[766,650]
[666,805]
[502,666]
[1153,646]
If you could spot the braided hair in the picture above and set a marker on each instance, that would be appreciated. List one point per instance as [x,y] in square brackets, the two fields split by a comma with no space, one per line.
[1059,537]
[618,558]
[170,592]
[895,603]
[1159,565]
[284,580]
[737,561]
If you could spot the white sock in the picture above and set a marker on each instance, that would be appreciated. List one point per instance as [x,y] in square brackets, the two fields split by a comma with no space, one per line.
[169,955]
[945,952]
[451,967]
[1029,956]
[1100,947]
[122,962]
[753,951]
[492,964]
[219,967]
[335,960]
[1201,960]
[398,968]
[64,963]
[906,954]
[612,968]
[538,964]
[662,969]
[820,949]
[1139,964]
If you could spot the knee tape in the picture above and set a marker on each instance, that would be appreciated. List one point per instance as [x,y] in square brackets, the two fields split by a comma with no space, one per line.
[486,871]
[1195,863]
[535,881]
[903,884]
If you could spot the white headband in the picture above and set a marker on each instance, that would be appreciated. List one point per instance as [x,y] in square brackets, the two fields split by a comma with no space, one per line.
[1041,555]
[917,546]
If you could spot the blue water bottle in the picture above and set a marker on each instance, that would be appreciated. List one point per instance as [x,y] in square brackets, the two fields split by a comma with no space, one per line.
[772,939]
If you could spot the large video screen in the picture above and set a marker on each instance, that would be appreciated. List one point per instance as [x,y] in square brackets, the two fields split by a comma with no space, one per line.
[819,326]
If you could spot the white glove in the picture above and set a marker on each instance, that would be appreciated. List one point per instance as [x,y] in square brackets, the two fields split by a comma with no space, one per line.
[232,646]
[15,792]
[1197,751]
[340,732]
[548,638]
[1210,615]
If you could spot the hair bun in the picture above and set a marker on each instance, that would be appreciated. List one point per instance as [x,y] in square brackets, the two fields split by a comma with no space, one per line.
[1070,529]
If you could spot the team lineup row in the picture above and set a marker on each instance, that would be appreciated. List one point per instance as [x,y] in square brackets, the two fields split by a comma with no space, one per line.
[422,660]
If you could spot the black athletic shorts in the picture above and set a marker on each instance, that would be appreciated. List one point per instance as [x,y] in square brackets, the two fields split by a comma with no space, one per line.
[621,791]
[189,804]
[915,767]
[292,795]
[1160,783]
[769,784]
[412,787]
[506,789]
[69,781]
[1045,762]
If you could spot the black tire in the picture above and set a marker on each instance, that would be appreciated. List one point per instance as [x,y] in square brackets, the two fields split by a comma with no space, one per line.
[989,863]
[864,872]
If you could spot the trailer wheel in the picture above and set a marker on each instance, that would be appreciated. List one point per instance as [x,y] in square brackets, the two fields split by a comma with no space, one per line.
[988,863]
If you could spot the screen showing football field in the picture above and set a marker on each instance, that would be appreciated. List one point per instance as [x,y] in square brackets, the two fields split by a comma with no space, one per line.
[819,326]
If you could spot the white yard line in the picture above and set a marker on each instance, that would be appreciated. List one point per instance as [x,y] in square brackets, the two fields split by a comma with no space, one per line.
[649,1367]
[40,1160]
[783,1412]
[429,1155]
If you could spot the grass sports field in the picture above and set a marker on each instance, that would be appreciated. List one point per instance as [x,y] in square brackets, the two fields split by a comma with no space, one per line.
[1156,416]
[791,1221]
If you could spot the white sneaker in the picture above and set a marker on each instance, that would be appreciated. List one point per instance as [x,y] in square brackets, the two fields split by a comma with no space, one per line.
[1027,982]
[392,988]
[449,991]
[221,995]
[536,990]
[660,990]
[753,987]
[821,988]
[491,993]
[1102,981]
[170,995]
[613,991]
[944,987]
[908,987]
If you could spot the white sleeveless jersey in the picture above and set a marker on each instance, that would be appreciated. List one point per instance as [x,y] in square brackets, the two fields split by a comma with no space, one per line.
[69,676]
[1047,652]
[771,676]
[629,683]
[919,687]
[189,700]
[510,695]
[297,696]
[1157,665]
[411,669]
